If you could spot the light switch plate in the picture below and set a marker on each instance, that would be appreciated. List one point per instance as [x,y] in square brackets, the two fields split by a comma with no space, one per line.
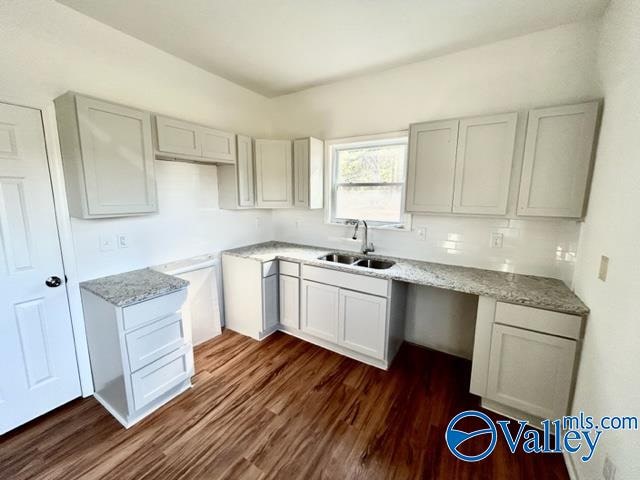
[123,241]
[107,243]
[422,233]
[496,240]
[604,268]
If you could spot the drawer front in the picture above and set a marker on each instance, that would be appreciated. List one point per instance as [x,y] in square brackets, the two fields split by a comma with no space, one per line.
[149,343]
[154,309]
[154,380]
[289,268]
[545,321]
[351,281]
[269,268]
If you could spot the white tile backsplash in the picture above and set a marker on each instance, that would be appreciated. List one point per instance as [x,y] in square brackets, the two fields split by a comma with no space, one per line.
[544,247]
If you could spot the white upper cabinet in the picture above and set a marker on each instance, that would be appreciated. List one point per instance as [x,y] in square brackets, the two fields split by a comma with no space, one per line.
[431,168]
[557,160]
[274,174]
[308,157]
[483,164]
[194,142]
[236,185]
[107,152]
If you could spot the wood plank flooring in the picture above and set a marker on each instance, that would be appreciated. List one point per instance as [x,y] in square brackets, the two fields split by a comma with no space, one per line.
[279,409]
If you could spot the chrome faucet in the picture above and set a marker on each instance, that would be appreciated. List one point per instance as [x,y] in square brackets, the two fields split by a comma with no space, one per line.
[366,246]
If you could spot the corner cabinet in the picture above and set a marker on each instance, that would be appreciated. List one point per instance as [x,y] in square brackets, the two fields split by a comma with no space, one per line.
[107,155]
[557,160]
[308,160]
[236,183]
[177,139]
[461,166]
[274,174]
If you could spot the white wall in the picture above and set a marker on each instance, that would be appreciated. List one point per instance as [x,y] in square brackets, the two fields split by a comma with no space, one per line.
[48,49]
[550,67]
[608,380]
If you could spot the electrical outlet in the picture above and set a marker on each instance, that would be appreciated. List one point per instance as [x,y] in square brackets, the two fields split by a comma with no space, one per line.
[604,268]
[123,241]
[298,223]
[107,243]
[258,223]
[609,469]
[496,240]
[422,233]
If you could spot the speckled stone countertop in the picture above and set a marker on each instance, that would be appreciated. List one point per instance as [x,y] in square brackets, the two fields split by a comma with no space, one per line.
[134,287]
[540,292]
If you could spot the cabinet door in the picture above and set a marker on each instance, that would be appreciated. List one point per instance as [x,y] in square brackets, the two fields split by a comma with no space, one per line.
[557,159]
[483,164]
[176,136]
[290,301]
[301,173]
[530,371]
[274,174]
[320,310]
[217,145]
[244,172]
[432,159]
[117,156]
[362,323]
[270,315]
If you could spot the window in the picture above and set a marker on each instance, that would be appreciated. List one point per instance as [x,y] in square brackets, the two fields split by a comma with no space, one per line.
[368,179]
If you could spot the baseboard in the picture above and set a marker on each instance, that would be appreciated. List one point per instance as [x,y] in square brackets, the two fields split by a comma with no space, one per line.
[571,467]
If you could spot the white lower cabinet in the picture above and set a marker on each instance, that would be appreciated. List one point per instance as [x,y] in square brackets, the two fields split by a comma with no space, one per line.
[524,359]
[140,356]
[530,371]
[362,323]
[320,310]
[290,301]
[270,316]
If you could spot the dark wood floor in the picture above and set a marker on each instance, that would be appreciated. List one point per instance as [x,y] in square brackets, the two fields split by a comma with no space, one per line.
[278,409]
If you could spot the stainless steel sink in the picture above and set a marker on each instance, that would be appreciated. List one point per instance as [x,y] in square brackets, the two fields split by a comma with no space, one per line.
[357,261]
[375,264]
[340,258]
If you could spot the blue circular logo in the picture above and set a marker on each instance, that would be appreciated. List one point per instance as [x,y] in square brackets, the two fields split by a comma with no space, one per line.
[455,438]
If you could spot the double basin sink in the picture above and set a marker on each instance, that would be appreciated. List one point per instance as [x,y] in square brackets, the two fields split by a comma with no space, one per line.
[357,261]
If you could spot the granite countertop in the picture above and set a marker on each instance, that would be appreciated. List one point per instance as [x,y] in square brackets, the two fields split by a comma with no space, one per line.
[137,286]
[533,291]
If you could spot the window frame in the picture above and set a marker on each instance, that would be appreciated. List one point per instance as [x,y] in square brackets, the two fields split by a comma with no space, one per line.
[331,149]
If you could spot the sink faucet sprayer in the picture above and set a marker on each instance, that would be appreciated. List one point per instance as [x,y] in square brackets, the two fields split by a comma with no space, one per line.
[366,246]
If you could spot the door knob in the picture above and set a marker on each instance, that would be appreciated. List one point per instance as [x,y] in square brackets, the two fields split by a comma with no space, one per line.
[53,282]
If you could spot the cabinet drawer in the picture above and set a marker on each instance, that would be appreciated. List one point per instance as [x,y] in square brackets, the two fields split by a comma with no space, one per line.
[154,309]
[149,343]
[351,281]
[545,321]
[269,268]
[152,381]
[289,268]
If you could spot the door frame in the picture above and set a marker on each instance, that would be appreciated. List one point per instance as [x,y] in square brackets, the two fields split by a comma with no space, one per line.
[63,223]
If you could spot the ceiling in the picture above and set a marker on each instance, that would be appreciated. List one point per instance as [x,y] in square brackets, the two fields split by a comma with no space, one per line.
[276,47]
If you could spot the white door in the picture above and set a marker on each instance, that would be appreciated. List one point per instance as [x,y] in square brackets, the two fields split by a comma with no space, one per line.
[301,172]
[176,136]
[245,172]
[483,164]
[270,317]
[432,163]
[363,323]
[37,353]
[218,145]
[274,174]
[557,159]
[320,310]
[290,301]
[531,371]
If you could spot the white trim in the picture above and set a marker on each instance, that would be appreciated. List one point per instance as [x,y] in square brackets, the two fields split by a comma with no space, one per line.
[571,467]
[63,222]
[331,145]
